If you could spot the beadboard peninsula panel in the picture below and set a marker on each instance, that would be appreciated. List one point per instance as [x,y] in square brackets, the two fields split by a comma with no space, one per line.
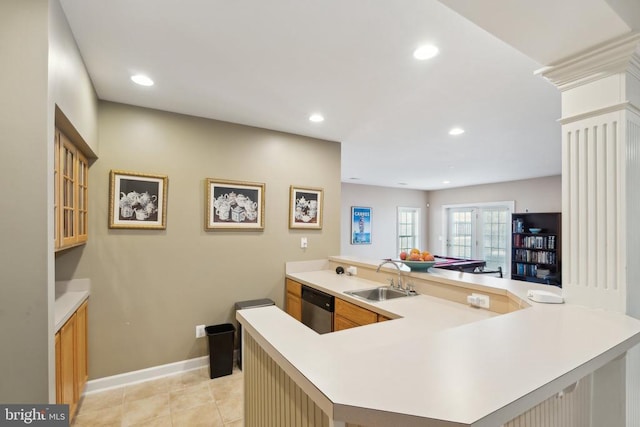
[570,409]
[272,398]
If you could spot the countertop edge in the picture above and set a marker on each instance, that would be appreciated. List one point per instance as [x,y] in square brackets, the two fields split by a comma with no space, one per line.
[66,305]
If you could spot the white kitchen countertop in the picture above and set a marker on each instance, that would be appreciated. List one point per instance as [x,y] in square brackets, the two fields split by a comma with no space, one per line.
[69,296]
[440,360]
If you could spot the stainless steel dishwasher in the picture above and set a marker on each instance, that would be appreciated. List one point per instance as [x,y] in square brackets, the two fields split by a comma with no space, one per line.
[317,310]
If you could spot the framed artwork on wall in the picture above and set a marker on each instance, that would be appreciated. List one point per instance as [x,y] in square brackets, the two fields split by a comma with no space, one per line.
[305,207]
[360,225]
[137,200]
[234,205]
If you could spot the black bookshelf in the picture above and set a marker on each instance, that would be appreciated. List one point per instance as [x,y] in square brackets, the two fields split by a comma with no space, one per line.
[535,256]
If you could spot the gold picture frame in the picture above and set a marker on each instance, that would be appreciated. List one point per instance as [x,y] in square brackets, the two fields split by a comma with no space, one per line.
[234,205]
[306,207]
[137,200]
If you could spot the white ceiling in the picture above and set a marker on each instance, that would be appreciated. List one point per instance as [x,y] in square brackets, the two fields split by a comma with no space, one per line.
[272,63]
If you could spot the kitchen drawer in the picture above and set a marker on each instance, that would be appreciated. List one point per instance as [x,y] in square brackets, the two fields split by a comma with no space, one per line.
[294,288]
[358,315]
[340,323]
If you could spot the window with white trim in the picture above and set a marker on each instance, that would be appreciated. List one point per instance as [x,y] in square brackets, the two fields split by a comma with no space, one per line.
[408,229]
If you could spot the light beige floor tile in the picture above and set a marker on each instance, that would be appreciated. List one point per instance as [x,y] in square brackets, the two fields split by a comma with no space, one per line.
[104,399]
[231,409]
[137,411]
[151,388]
[227,387]
[164,421]
[195,376]
[100,417]
[199,416]
[189,397]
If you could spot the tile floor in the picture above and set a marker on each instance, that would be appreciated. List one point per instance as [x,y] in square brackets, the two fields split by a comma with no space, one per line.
[189,399]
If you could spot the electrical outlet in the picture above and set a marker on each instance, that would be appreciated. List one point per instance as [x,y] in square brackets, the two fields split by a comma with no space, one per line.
[200,331]
[303,242]
[478,300]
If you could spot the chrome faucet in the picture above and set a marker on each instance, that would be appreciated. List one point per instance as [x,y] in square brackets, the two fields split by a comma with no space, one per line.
[399,286]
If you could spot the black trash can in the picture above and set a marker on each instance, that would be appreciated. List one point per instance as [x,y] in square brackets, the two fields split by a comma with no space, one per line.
[220,349]
[241,305]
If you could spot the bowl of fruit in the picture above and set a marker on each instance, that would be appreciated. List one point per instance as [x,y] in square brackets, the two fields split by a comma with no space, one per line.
[417,260]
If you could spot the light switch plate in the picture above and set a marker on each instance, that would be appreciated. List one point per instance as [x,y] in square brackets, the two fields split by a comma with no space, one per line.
[200,332]
[303,242]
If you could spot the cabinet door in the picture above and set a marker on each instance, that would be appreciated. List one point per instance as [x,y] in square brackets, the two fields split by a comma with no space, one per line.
[71,193]
[81,349]
[294,306]
[294,287]
[82,202]
[56,189]
[382,318]
[340,323]
[352,312]
[68,176]
[294,299]
[67,365]
[58,370]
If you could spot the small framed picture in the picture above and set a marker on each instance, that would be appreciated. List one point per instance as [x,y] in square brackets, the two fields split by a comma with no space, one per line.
[305,207]
[360,225]
[234,205]
[137,200]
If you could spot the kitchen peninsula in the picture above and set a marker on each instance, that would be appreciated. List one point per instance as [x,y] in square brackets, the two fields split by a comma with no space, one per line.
[439,362]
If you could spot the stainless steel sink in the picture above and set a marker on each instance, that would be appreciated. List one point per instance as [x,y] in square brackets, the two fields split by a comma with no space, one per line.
[377,294]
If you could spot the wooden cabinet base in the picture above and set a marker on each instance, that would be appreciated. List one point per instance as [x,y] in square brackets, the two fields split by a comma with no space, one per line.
[71,360]
[294,299]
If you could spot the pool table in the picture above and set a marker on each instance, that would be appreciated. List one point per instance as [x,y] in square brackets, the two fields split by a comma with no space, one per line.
[458,264]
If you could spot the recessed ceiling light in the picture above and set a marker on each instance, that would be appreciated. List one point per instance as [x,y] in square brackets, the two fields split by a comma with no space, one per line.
[142,80]
[353,178]
[456,131]
[427,51]
[316,118]
[402,183]
[446,182]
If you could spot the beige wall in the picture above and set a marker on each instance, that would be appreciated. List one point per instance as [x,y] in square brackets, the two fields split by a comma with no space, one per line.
[24,356]
[384,203]
[70,87]
[530,195]
[151,288]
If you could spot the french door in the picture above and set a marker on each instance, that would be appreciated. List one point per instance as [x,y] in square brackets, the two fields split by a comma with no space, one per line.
[481,232]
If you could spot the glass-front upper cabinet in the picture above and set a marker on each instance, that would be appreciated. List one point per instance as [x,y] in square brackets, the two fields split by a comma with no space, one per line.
[71,190]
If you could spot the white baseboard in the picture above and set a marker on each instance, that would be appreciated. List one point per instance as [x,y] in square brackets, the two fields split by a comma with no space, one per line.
[133,377]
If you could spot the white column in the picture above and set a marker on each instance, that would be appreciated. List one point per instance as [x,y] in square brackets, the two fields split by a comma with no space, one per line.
[601,201]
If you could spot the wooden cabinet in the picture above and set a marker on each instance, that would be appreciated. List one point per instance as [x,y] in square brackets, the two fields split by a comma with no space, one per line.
[66,365]
[58,368]
[71,359]
[294,299]
[535,253]
[71,191]
[382,318]
[82,371]
[345,316]
[348,315]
